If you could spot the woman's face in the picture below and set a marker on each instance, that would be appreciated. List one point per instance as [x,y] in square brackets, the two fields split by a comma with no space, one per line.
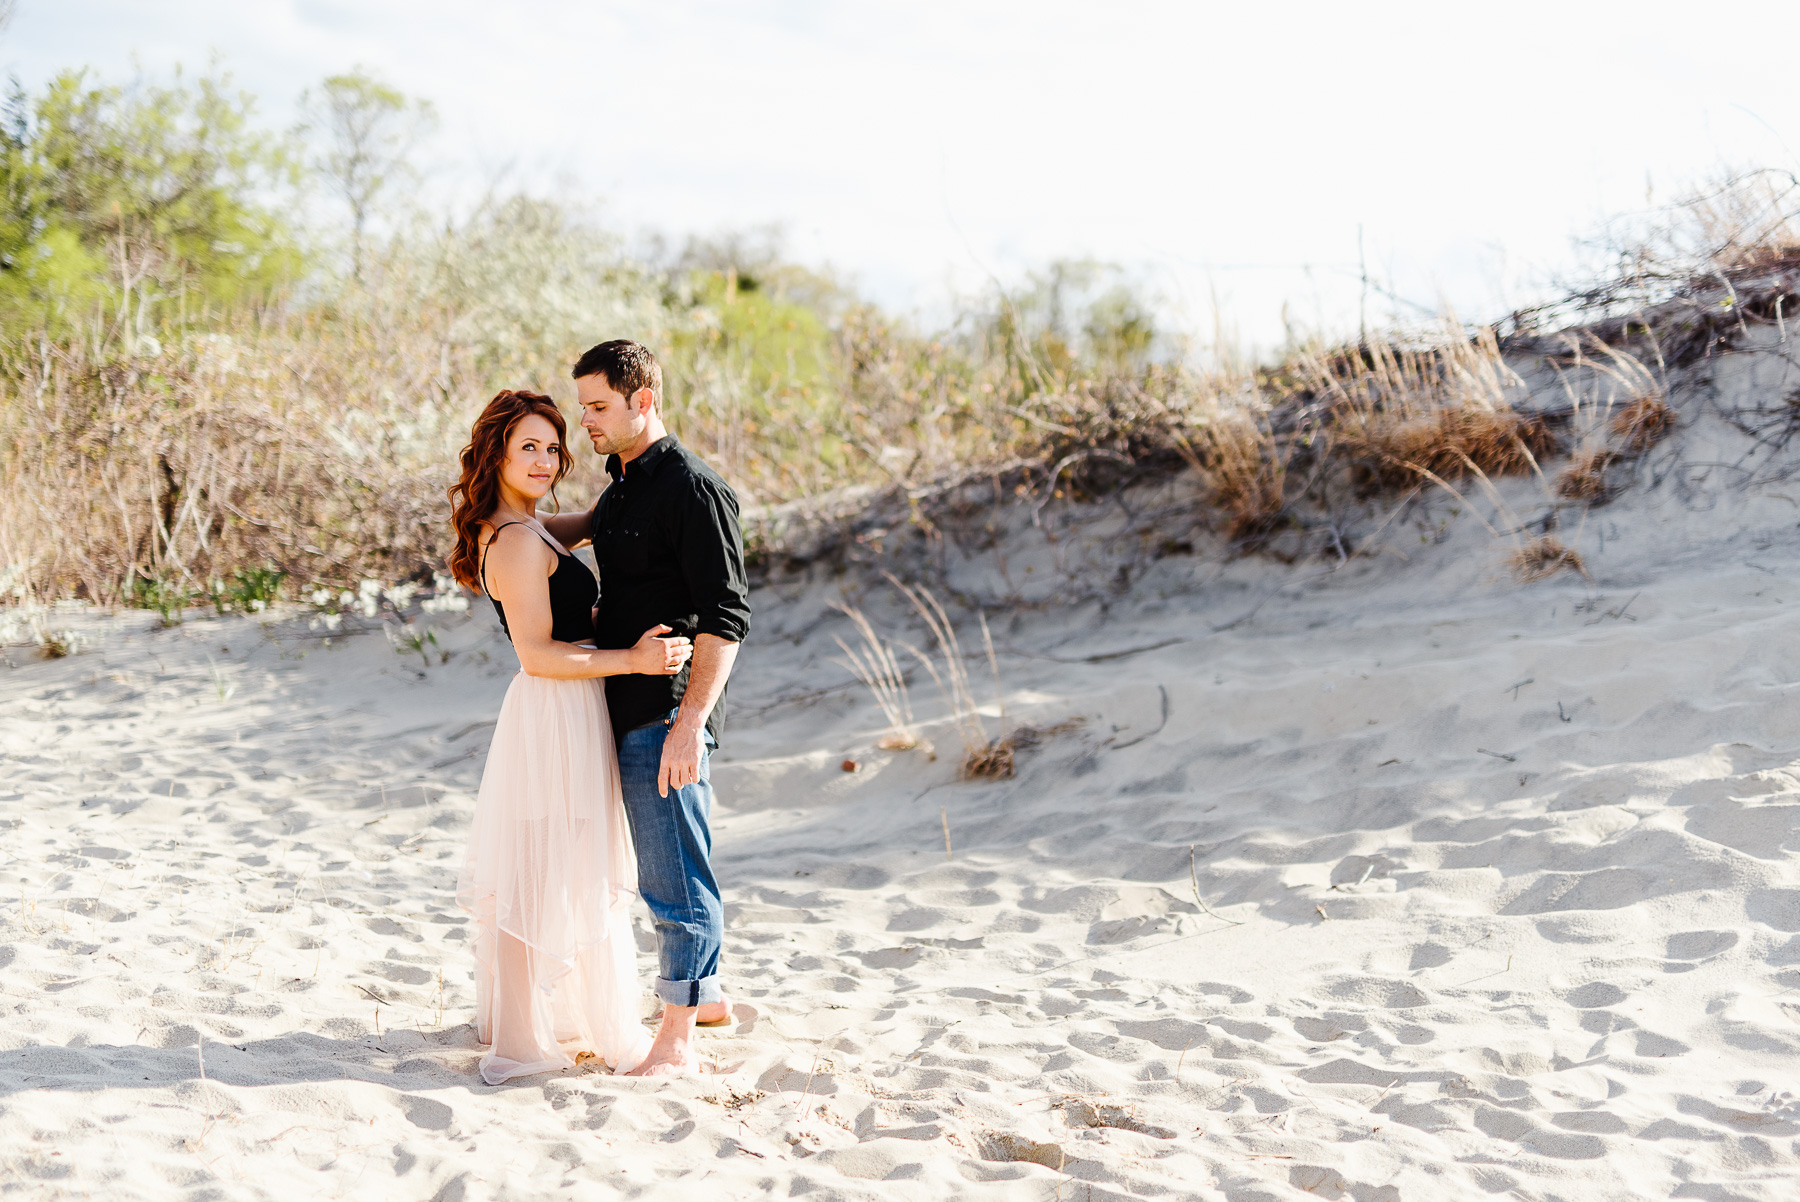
[533,456]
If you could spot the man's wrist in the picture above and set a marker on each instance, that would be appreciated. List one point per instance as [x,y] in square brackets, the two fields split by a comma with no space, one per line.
[688,724]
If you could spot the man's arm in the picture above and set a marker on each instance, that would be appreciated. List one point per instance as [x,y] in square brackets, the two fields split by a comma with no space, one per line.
[707,673]
[570,529]
[712,563]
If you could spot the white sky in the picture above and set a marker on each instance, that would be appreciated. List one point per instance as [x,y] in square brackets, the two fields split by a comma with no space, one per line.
[1216,149]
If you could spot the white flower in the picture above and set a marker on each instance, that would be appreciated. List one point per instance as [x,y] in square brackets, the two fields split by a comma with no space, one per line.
[449,598]
[445,603]
[369,597]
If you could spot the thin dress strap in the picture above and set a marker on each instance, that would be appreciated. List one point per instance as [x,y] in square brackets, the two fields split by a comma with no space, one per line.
[482,573]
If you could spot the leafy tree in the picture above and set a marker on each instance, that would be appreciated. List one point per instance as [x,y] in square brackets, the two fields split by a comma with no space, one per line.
[118,202]
[370,131]
[1120,330]
[22,200]
[1066,317]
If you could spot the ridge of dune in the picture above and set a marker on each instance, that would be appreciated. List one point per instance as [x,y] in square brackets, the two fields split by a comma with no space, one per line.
[1413,883]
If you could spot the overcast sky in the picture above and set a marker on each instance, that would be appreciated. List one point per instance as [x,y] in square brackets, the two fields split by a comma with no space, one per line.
[1223,150]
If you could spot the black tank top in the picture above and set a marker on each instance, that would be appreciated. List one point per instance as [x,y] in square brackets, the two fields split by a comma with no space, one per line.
[573,592]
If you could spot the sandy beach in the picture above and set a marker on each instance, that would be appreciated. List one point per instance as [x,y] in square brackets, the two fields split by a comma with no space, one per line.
[1388,879]
[1499,887]
[1254,690]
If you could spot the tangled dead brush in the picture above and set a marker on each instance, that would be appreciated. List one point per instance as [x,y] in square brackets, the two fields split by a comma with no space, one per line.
[1694,279]
[1217,423]
[160,476]
[1131,415]
[312,439]
[1102,431]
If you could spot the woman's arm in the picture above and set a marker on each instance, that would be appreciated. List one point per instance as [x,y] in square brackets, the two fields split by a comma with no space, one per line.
[518,574]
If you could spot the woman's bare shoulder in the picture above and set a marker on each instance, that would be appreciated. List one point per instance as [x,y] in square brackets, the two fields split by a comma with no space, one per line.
[515,547]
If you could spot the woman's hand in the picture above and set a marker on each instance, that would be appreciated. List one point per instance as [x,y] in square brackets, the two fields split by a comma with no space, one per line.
[657,656]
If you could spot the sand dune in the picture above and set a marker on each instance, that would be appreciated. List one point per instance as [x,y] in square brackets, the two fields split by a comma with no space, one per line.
[1419,885]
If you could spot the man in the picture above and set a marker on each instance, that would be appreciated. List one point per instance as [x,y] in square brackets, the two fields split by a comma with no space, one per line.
[667,544]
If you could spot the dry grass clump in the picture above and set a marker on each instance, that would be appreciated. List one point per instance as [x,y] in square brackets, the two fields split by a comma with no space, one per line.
[1643,423]
[1585,477]
[1616,412]
[984,757]
[1217,423]
[1246,467]
[1434,410]
[1446,444]
[997,760]
[993,762]
[1593,375]
[1636,427]
[875,665]
[1544,557]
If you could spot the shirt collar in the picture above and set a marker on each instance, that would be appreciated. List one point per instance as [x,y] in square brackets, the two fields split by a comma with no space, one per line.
[648,462]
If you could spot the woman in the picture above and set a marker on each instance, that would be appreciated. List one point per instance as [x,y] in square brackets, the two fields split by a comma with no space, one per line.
[549,871]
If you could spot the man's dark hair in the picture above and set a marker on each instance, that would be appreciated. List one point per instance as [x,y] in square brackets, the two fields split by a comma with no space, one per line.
[626,366]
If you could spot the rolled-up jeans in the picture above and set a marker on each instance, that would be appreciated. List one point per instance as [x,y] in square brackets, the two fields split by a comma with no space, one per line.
[675,876]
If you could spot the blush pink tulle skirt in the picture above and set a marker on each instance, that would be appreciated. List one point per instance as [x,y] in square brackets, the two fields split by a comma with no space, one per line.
[549,876]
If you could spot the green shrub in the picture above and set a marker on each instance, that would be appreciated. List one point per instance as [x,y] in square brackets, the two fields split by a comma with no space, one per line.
[250,590]
[166,596]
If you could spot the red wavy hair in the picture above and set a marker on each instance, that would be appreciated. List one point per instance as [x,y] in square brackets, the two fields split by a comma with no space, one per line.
[475,497]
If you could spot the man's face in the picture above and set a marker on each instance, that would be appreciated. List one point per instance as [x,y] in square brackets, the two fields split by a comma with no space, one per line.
[615,422]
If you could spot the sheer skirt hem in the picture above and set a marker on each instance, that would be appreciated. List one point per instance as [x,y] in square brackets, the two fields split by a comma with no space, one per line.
[549,877]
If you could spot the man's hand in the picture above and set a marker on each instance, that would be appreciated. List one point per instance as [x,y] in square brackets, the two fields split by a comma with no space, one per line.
[686,741]
[681,751]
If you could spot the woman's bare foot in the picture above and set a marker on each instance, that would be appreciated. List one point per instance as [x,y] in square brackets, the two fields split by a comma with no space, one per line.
[672,1053]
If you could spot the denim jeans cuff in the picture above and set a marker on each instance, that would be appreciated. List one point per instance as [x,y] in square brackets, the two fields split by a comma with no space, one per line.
[690,993]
